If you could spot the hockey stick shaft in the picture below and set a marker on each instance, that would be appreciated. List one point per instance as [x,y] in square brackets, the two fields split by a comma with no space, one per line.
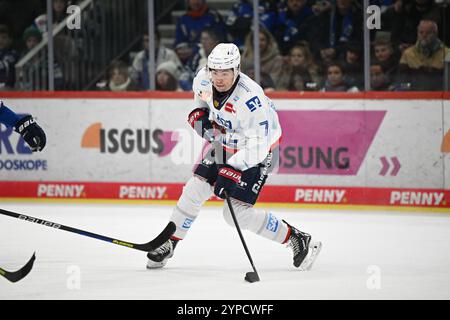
[159,240]
[219,157]
[230,206]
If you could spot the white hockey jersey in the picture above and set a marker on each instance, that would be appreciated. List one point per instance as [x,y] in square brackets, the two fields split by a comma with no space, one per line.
[248,117]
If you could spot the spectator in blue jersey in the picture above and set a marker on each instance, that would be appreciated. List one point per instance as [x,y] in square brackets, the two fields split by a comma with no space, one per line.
[8,59]
[292,24]
[240,20]
[382,4]
[190,61]
[25,125]
[335,27]
[197,17]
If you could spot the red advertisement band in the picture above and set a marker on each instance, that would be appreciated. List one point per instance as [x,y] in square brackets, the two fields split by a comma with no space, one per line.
[358,196]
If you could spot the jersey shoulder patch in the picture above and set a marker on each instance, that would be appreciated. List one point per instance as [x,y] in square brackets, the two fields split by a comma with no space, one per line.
[249,97]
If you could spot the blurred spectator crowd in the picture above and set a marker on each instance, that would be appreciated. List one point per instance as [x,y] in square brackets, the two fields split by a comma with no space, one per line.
[305,45]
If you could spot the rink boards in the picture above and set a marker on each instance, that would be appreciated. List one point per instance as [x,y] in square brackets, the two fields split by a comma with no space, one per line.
[337,150]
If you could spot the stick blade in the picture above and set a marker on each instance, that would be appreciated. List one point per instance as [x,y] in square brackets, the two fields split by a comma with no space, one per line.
[251,277]
[165,235]
[18,275]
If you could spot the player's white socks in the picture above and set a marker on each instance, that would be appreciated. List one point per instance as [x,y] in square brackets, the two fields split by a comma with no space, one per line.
[260,222]
[195,193]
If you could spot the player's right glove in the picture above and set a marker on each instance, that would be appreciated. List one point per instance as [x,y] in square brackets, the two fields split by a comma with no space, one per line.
[198,120]
[227,181]
[31,132]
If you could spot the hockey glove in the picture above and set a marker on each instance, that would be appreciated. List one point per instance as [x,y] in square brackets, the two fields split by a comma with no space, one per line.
[228,179]
[31,132]
[198,119]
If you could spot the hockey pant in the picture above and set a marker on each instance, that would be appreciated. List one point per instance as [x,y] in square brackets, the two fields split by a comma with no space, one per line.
[197,191]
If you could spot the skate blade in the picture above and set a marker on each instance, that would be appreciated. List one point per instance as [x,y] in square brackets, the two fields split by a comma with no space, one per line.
[314,250]
[155,265]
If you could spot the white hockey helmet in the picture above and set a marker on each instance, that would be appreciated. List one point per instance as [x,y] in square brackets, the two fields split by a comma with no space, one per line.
[225,56]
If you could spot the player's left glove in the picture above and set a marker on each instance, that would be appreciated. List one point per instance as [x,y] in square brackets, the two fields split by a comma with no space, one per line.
[31,132]
[228,179]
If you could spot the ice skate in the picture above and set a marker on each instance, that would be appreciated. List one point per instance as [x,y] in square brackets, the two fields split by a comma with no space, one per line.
[305,251]
[158,257]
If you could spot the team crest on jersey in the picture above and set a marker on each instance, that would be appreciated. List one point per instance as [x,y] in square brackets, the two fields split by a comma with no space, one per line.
[223,122]
[230,108]
[216,103]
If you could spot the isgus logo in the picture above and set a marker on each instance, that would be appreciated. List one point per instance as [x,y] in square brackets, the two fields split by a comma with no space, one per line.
[114,140]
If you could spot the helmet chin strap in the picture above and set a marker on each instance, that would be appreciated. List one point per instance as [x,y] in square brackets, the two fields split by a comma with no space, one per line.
[236,72]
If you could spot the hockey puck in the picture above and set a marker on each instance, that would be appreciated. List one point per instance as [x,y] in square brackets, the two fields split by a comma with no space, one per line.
[251,277]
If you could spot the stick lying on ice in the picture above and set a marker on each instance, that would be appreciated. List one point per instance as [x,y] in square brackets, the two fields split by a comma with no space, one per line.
[149,246]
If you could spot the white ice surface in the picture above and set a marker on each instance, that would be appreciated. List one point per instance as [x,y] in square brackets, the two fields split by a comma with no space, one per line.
[400,256]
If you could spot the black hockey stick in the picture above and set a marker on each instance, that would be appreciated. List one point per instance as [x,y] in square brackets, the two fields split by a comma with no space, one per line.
[249,276]
[18,275]
[168,231]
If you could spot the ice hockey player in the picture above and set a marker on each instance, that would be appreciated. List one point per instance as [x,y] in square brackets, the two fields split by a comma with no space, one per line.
[228,100]
[26,126]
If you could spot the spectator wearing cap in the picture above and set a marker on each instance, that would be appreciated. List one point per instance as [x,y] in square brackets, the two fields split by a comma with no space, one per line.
[167,74]
[39,65]
[422,65]
[8,59]
[31,37]
[197,17]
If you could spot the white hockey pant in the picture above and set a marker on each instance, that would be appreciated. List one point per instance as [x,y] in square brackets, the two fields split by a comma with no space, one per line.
[196,192]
